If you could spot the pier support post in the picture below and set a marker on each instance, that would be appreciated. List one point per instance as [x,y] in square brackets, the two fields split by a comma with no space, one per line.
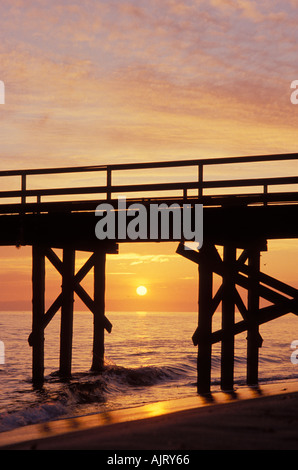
[253,337]
[99,310]
[66,332]
[38,308]
[65,300]
[204,322]
[228,318]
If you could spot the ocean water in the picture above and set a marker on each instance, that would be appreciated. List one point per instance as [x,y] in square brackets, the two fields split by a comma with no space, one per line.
[149,357]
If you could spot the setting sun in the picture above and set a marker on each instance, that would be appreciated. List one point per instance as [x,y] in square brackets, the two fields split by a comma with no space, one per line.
[141,290]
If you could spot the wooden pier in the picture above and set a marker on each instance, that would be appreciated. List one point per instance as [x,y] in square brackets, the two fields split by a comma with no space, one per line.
[239,221]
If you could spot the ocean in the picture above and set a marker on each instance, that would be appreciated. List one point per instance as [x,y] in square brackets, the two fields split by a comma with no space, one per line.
[149,358]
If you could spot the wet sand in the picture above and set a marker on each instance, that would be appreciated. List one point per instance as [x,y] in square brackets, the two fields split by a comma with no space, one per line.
[264,418]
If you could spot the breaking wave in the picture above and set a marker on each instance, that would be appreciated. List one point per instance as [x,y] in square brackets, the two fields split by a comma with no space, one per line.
[65,398]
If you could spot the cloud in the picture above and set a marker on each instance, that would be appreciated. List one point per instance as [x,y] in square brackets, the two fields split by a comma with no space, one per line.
[137,258]
[112,80]
[121,273]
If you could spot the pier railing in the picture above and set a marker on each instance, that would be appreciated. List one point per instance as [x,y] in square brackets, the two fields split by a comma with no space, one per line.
[260,188]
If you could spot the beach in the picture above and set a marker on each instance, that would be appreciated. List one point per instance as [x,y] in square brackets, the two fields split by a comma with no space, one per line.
[261,418]
[148,228]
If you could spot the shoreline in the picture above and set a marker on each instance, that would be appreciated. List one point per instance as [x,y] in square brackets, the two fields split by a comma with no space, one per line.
[263,415]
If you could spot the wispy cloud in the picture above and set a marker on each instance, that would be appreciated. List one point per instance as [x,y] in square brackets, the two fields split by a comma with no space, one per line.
[137,258]
[111,80]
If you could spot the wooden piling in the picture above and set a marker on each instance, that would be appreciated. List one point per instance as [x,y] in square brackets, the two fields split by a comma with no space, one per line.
[253,336]
[228,318]
[66,331]
[38,308]
[99,310]
[204,323]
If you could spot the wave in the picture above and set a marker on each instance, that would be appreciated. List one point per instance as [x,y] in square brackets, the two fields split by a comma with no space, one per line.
[64,398]
[116,387]
[31,415]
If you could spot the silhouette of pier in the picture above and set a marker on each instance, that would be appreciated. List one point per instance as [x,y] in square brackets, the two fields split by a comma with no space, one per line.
[240,215]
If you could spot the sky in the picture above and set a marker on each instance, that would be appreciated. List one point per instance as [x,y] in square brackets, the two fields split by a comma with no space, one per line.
[96,82]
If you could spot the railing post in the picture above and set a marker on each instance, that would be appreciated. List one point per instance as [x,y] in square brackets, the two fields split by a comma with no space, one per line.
[200,178]
[109,182]
[23,197]
[265,194]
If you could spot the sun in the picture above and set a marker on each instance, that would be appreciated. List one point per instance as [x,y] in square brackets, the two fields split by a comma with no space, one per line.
[141,290]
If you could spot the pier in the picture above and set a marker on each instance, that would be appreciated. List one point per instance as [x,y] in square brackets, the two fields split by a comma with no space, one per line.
[239,215]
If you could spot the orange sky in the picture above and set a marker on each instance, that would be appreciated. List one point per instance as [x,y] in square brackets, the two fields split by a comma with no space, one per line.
[113,81]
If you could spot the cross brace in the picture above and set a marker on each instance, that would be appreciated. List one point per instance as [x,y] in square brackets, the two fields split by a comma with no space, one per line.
[235,273]
[283,296]
[70,285]
[78,289]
